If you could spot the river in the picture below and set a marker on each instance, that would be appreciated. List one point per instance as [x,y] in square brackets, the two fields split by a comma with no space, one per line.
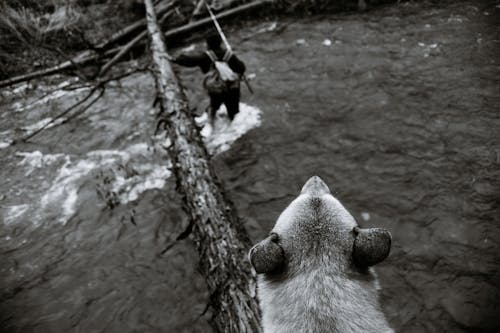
[397,109]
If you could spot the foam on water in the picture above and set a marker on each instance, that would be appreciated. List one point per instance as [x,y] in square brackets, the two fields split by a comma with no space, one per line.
[132,172]
[150,176]
[64,190]
[5,140]
[129,172]
[225,133]
[12,213]
[42,123]
[34,160]
[6,136]
[46,94]
[5,144]
[50,93]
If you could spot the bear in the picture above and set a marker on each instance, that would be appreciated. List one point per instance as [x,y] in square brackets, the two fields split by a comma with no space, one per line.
[314,268]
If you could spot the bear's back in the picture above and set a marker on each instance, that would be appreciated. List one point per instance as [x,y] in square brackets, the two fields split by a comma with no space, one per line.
[321,300]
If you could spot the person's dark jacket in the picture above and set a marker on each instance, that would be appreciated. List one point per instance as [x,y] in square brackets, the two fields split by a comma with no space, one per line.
[202,60]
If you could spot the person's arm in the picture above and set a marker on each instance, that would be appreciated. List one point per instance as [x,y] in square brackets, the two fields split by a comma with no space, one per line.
[190,60]
[236,64]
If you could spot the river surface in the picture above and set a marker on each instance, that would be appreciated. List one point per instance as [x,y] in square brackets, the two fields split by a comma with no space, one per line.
[397,109]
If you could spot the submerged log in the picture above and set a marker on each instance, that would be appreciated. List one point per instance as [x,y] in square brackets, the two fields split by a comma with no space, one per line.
[220,239]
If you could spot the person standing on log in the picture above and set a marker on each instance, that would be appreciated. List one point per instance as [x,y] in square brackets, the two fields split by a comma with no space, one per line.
[223,71]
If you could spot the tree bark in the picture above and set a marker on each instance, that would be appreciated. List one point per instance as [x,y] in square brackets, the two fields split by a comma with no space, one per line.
[220,238]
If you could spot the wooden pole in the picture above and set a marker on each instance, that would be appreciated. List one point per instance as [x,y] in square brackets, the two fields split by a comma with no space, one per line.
[220,239]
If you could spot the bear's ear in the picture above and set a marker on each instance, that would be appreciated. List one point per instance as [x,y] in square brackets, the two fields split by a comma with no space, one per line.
[267,256]
[371,246]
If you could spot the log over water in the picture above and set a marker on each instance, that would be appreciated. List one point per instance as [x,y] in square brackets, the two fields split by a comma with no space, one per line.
[220,240]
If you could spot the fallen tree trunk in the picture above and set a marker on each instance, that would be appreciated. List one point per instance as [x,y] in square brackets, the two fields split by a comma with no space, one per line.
[89,56]
[219,237]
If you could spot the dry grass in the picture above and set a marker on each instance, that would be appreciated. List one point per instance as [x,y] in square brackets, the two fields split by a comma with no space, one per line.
[27,31]
[29,28]
[32,28]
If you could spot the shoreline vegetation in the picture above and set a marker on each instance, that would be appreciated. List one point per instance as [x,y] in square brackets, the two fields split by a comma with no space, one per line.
[39,36]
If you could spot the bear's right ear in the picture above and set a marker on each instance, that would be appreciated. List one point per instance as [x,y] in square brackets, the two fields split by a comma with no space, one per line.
[267,256]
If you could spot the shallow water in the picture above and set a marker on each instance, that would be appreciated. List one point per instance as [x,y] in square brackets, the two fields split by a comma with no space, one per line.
[397,110]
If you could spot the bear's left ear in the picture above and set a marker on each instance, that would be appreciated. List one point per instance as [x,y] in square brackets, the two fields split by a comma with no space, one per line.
[267,256]
[371,246]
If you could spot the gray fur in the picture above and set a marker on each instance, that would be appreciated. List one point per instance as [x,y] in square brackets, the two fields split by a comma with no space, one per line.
[311,281]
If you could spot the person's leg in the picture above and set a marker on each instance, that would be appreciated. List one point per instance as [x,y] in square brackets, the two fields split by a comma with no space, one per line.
[232,102]
[215,103]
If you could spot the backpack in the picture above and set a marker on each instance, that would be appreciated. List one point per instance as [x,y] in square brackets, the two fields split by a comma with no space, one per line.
[220,78]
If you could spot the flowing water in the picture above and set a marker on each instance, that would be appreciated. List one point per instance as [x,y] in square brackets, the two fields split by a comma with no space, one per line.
[396,109]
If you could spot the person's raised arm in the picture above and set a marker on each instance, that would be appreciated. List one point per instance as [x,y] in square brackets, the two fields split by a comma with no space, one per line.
[189,60]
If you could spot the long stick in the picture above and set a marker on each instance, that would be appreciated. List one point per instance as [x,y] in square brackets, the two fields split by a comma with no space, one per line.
[217,26]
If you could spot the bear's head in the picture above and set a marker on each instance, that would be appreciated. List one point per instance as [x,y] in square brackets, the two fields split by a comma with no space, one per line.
[316,230]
